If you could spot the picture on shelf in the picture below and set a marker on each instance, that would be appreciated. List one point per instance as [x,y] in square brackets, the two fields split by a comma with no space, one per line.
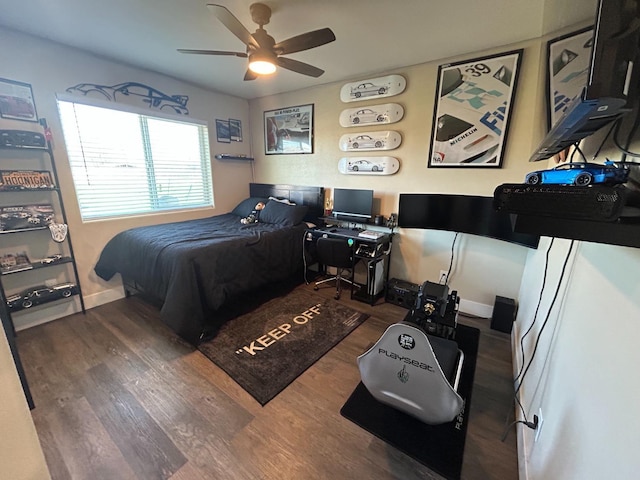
[25,180]
[24,217]
[15,262]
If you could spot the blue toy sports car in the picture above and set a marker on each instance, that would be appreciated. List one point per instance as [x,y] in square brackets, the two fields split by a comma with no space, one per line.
[581,174]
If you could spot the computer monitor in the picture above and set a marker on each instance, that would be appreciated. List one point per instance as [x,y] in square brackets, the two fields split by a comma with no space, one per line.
[350,204]
[459,213]
[610,90]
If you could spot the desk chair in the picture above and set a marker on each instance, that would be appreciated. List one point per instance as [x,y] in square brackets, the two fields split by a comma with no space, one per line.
[338,253]
[417,374]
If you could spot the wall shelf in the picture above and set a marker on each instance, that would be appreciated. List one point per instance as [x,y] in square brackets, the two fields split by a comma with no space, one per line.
[229,156]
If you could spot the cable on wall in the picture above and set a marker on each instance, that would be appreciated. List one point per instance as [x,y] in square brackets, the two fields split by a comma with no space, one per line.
[453,244]
[544,324]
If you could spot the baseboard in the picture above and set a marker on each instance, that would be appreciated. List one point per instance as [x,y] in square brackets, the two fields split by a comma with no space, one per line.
[105,296]
[475,308]
[30,319]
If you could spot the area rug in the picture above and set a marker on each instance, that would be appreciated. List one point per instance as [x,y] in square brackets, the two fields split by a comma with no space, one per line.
[439,447]
[268,348]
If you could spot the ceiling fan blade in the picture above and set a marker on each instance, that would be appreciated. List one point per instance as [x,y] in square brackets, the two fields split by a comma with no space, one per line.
[249,75]
[233,24]
[305,41]
[299,67]
[213,52]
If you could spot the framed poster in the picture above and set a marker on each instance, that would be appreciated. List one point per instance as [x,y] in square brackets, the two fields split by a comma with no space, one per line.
[16,101]
[568,59]
[235,130]
[289,130]
[222,131]
[474,99]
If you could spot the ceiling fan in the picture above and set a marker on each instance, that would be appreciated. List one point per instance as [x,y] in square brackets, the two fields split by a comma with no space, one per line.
[262,50]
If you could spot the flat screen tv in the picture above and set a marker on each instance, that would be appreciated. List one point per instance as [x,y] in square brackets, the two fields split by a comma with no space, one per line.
[611,88]
[350,204]
[460,213]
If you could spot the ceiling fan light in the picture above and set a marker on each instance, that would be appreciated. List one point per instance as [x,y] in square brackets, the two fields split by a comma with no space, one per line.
[262,67]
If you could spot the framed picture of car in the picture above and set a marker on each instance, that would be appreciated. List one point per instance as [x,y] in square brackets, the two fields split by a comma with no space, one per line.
[473,105]
[16,101]
[289,130]
[568,58]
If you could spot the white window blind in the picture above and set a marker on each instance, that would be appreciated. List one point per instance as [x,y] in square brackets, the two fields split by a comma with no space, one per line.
[126,163]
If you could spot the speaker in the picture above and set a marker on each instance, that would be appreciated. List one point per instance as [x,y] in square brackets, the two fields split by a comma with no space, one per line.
[504,314]
[402,293]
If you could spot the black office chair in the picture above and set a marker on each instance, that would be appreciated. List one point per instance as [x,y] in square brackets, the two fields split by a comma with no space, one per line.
[338,253]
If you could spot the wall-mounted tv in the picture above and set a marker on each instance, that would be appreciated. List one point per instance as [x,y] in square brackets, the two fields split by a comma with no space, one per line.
[351,204]
[611,88]
[459,213]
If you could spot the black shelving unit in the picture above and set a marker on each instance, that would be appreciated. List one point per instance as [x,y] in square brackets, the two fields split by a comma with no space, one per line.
[22,196]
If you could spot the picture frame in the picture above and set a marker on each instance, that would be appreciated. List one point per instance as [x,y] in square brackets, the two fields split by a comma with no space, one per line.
[289,130]
[235,130]
[473,105]
[222,131]
[16,101]
[568,59]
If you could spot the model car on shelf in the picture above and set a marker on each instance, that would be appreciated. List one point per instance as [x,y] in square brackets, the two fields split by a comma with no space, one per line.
[40,294]
[51,259]
[580,174]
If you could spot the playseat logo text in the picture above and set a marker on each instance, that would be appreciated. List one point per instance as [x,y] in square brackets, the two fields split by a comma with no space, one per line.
[407,360]
[272,336]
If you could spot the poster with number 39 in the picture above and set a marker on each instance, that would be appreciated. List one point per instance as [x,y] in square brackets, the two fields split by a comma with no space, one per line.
[473,104]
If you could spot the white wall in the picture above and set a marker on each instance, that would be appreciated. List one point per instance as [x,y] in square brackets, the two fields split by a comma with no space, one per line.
[21,457]
[51,68]
[584,375]
[484,267]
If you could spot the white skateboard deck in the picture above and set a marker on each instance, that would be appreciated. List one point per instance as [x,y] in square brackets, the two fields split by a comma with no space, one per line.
[368,165]
[369,141]
[378,87]
[372,115]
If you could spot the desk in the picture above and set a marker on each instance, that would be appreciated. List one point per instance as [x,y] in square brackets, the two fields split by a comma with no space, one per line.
[373,254]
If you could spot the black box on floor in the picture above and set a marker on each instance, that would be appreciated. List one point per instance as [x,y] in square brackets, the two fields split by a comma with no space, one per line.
[402,293]
[504,314]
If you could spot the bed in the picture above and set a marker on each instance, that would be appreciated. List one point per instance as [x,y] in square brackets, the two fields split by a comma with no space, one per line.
[193,268]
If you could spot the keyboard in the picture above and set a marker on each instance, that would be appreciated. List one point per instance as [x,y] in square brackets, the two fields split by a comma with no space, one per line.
[371,234]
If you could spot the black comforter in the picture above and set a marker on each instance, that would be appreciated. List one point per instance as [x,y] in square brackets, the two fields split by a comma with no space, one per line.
[195,266]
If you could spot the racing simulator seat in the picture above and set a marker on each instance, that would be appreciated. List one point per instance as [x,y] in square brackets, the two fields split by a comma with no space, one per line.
[413,371]
[338,253]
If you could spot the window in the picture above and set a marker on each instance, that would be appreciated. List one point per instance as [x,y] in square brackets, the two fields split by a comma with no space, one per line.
[126,163]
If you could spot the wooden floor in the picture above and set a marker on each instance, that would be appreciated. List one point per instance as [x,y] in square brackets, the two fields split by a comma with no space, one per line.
[119,396]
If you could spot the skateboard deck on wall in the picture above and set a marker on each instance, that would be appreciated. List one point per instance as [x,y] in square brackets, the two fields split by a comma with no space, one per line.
[369,141]
[372,115]
[378,87]
[368,165]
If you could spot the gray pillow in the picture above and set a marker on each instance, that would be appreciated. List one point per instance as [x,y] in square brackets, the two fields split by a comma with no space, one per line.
[245,207]
[283,214]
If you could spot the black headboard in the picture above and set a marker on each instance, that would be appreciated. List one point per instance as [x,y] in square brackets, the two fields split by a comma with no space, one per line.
[313,197]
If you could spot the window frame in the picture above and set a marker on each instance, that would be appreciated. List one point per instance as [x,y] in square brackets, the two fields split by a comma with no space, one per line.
[147,112]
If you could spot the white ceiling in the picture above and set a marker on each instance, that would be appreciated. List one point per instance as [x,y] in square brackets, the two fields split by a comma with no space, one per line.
[371,35]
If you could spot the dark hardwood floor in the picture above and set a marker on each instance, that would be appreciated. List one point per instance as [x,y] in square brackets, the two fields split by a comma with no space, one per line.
[119,396]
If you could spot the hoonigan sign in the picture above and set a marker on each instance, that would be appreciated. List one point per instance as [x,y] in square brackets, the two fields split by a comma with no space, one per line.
[25,179]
